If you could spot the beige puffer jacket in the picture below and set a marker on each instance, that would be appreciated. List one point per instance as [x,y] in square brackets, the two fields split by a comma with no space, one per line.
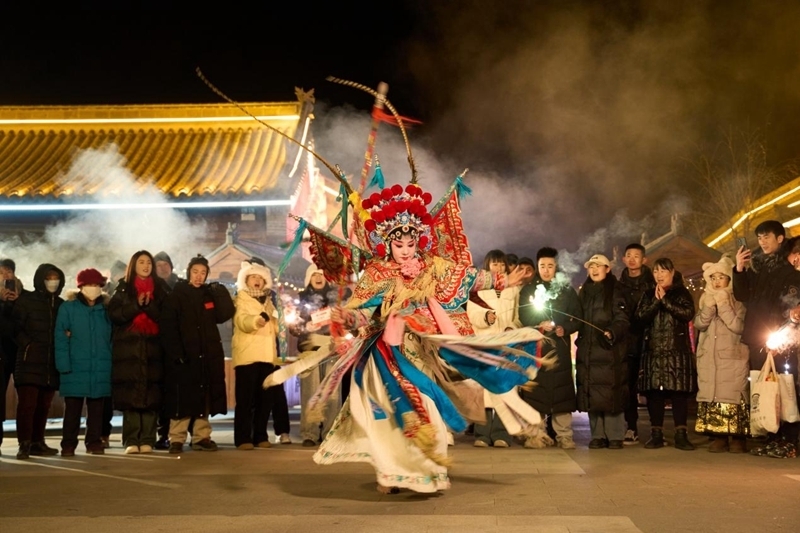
[723,363]
[252,344]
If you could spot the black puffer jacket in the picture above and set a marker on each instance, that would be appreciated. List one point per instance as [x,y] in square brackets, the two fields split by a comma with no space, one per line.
[194,359]
[34,315]
[667,360]
[137,369]
[632,291]
[769,290]
[600,363]
[554,390]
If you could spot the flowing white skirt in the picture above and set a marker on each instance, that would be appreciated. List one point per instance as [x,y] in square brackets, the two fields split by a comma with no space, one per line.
[365,431]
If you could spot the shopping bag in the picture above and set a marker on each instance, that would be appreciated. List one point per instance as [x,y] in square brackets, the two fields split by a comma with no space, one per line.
[765,400]
[789,411]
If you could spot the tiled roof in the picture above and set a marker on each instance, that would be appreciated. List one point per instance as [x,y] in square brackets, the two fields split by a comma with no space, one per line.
[184,151]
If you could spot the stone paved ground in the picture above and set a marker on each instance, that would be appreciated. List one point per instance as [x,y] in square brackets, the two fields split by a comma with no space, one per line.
[494,490]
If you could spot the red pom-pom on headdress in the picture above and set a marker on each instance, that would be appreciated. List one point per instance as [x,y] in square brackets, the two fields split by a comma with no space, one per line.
[396,211]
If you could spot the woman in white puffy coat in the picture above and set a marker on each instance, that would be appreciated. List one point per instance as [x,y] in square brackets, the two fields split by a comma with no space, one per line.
[256,356]
[499,316]
[722,362]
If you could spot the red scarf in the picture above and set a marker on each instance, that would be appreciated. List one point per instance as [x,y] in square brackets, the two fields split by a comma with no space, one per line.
[143,323]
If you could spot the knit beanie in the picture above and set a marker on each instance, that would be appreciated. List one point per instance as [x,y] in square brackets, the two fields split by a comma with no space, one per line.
[90,276]
[162,256]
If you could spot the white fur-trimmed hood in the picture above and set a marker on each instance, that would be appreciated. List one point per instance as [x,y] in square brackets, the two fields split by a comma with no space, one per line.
[248,269]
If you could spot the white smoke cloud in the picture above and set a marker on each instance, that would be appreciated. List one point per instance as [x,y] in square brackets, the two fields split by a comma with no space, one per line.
[98,238]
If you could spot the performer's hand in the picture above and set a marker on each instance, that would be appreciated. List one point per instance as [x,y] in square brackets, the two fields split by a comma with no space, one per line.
[340,315]
[515,277]
[742,257]
[260,322]
[559,331]
[794,314]
[546,325]
[491,317]
[142,298]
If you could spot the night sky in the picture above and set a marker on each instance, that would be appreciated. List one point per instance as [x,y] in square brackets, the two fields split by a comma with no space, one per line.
[569,113]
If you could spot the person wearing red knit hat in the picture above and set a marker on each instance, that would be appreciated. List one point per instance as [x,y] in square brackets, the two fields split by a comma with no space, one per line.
[82,340]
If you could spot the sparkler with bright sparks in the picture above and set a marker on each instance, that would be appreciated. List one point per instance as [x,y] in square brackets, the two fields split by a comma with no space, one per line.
[778,339]
[539,301]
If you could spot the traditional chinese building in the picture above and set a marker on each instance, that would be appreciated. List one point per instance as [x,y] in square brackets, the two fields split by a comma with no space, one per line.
[211,161]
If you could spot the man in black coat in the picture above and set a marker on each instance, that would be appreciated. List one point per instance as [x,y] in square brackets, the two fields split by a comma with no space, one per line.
[35,376]
[553,390]
[194,359]
[635,280]
[769,288]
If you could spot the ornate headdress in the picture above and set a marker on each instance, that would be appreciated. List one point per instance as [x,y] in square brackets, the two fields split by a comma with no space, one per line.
[392,213]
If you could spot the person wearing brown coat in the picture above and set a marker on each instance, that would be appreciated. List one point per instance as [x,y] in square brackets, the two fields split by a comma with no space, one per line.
[723,362]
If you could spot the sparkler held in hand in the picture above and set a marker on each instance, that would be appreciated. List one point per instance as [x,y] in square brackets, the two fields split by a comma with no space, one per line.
[541,305]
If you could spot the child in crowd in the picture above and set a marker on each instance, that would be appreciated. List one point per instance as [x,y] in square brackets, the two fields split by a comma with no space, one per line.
[723,362]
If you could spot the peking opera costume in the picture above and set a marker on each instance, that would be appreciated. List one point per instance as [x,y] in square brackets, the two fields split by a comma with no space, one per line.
[414,365]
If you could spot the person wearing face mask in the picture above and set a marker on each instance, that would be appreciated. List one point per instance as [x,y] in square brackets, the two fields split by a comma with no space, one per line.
[83,358]
[194,359]
[35,375]
[138,368]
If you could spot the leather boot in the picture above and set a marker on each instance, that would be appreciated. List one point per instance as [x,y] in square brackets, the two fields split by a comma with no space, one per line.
[656,439]
[682,440]
[738,444]
[718,445]
[41,448]
[24,450]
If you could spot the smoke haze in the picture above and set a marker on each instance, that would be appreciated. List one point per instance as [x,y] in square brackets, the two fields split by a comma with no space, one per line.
[96,239]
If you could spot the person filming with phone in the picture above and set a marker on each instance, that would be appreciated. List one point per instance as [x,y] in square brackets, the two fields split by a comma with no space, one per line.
[769,286]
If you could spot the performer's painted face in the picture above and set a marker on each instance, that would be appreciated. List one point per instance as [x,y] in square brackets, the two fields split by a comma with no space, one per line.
[403,249]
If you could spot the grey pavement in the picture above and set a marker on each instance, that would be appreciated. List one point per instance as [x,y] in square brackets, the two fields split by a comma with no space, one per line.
[494,490]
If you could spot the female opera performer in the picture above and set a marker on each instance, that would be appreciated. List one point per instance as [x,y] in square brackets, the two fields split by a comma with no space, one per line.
[411,336]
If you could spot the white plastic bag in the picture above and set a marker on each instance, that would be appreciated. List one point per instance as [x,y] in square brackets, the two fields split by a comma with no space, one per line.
[765,400]
[789,411]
